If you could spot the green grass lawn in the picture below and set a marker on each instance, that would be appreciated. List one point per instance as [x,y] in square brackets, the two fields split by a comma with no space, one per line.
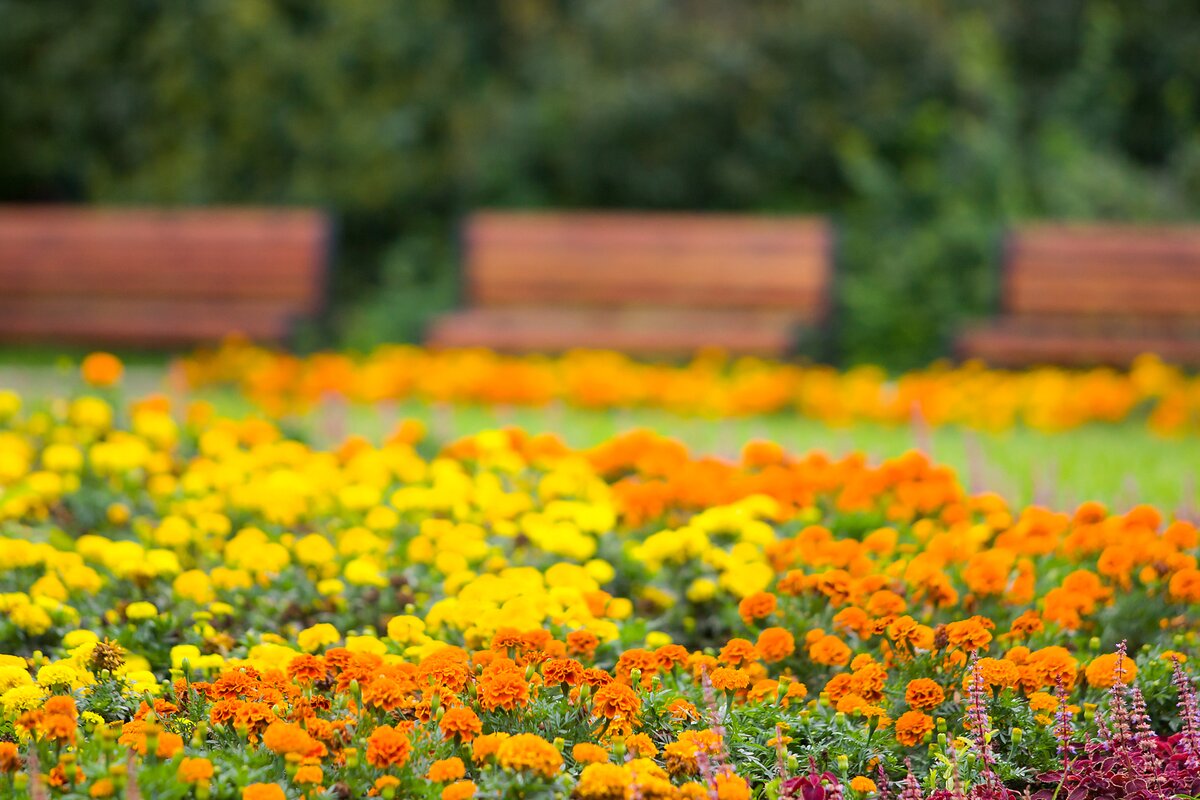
[1119,464]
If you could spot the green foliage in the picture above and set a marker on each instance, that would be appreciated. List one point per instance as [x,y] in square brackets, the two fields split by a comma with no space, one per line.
[925,127]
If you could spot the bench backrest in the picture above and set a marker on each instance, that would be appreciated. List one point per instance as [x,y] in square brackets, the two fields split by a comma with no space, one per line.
[1096,269]
[648,260]
[159,276]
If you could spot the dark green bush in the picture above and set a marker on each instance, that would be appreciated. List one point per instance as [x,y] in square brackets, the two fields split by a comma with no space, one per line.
[924,126]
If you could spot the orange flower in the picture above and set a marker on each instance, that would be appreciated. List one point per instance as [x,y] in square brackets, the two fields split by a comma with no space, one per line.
[829,650]
[757,606]
[640,745]
[462,722]
[102,369]
[484,747]
[731,786]
[923,694]
[1102,672]
[10,758]
[263,791]
[447,769]
[562,670]
[308,774]
[616,701]
[726,679]
[912,726]
[531,753]
[505,689]
[588,753]
[195,770]
[461,790]
[582,642]
[388,746]
[863,785]
[775,644]
[737,652]
[283,738]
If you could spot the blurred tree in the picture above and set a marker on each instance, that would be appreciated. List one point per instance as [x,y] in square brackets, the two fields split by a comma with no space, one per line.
[925,126]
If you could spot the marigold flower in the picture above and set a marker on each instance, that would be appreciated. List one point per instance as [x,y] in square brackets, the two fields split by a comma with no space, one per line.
[616,701]
[195,770]
[102,369]
[1102,672]
[529,752]
[588,753]
[446,769]
[388,747]
[460,790]
[486,746]
[757,606]
[263,791]
[911,728]
[830,651]
[923,694]
[461,722]
[10,758]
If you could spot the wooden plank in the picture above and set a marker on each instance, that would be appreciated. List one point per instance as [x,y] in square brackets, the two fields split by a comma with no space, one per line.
[616,259]
[1009,346]
[1054,294]
[143,322]
[643,331]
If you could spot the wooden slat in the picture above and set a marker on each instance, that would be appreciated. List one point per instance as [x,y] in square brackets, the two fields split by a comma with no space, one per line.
[140,321]
[641,331]
[1009,345]
[158,276]
[620,259]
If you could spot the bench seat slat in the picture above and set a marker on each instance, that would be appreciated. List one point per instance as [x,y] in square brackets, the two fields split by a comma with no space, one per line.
[639,331]
[153,276]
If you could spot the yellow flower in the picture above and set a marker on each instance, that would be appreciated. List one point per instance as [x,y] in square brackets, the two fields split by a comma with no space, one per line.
[320,635]
[141,610]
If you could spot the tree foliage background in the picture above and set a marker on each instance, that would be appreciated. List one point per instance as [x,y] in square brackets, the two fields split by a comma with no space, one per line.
[923,126]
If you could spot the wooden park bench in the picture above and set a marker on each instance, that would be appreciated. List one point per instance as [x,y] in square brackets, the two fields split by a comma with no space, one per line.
[643,283]
[158,277]
[1082,294]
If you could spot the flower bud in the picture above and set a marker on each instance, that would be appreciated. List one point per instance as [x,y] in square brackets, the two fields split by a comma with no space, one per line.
[1017,735]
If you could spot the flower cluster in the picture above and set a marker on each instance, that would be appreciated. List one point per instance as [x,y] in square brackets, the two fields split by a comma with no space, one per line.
[197,606]
[713,385]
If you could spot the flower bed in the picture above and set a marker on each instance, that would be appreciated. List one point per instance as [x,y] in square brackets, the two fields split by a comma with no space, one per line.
[713,386]
[203,607]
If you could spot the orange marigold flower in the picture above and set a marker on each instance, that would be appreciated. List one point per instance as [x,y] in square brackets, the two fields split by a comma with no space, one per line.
[531,753]
[616,701]
[727,679]
[737,652]
[308,775]
[830,651]
[757,606]
[307,668]
[969,634]
[640,745]
[504,689]
[1102,672]
[102,369]
[582,642]
[863,785]
[195,770]
[912,726]
[10,758]
[462,722]
[388,746]
[923,694]
[484,747]
[671,655]
[588,753]
[562,670]
[446,769]
[731,786]
[775,644]
[283,738]
[263,791]
[460,790]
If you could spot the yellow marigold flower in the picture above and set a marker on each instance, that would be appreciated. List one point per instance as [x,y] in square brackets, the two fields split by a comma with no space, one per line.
[320,635]
[141,610]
